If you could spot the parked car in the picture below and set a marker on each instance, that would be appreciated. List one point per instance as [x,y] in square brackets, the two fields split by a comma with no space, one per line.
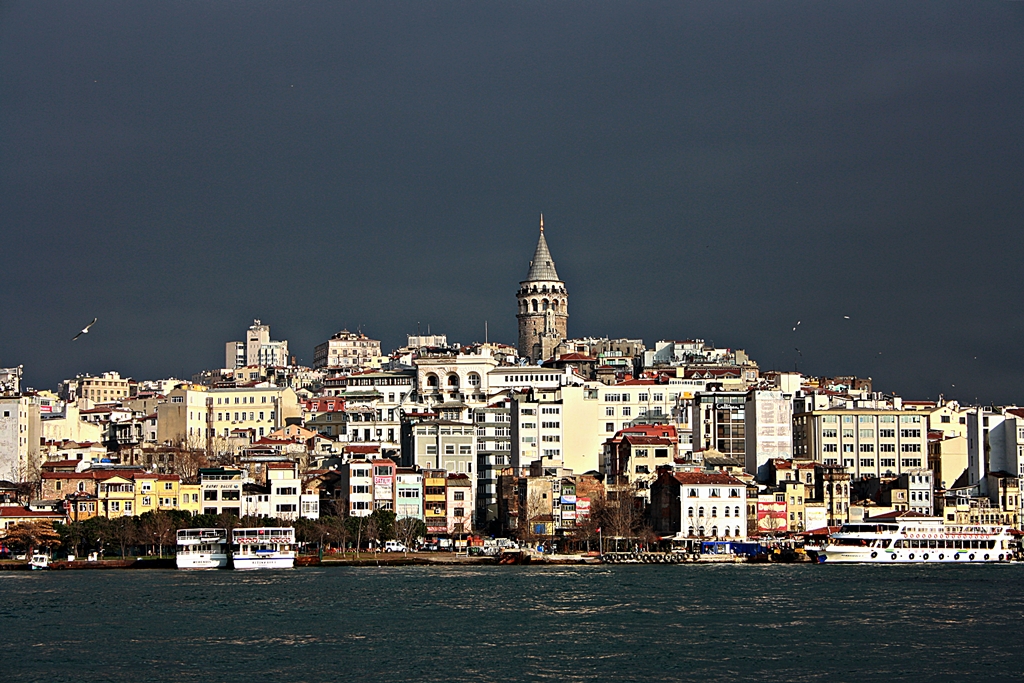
[394,547]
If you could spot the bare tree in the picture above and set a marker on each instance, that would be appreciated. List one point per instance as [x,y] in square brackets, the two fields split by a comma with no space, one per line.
[124,532]
[158,528]
[409,530]
[189,457]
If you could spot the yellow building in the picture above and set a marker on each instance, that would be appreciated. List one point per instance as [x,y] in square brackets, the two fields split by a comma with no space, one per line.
[188,495]
[116,497]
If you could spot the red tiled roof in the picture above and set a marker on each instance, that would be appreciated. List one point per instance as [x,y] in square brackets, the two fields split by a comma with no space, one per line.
[16,511]
[576,357]
[362,449]
[1019,412]
[644,440]
[707,478]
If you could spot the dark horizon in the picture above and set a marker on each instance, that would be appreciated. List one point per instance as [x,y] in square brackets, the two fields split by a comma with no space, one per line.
[716,172]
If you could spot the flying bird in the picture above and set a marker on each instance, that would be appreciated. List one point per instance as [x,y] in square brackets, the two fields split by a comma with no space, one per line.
[846,317]
[797,325]
[85,330]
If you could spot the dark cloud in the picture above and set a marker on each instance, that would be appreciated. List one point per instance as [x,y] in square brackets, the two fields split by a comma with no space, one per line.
[177,169]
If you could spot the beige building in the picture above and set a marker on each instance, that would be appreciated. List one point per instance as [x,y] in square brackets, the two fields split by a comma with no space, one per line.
[866,441]
[69,426]
[947,458]
[194,413]
[559,428]
[543,306]
[107,388]
[347,351]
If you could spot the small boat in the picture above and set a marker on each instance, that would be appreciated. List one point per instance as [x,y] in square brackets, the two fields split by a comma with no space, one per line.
[263,548]
[202,549]
[39,561]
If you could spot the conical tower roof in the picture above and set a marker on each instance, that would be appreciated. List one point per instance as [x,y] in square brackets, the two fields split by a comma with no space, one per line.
[542,267]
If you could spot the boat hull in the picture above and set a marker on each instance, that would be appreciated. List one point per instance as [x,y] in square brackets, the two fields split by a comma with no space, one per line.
[202,561]
[268,562]
[832,555]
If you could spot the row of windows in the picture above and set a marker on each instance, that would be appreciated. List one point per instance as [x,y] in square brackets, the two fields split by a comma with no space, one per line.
[714,511]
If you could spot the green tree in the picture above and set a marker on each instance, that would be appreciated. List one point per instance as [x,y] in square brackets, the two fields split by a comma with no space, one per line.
[385,521]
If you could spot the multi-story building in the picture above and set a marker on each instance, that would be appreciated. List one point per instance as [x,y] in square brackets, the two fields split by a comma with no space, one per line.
[221,489]
[441,444]
[20,431]
[633,456]
[258,349]
[559,428]
[109,387]
[408,493]
[435,501]
[347,351]
[454,375]
[460,505]
[355,488]
[868,442]
[719,422]
[699,505]
[493,453]
[768,430]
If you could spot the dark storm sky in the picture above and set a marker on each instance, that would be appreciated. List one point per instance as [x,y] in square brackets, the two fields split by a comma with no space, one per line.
[715,170]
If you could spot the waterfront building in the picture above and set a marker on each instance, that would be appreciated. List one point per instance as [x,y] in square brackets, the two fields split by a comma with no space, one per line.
[493,453]
[699,505]
[408,493]
[355,488]
[221,489]
[435,501]
[459,504]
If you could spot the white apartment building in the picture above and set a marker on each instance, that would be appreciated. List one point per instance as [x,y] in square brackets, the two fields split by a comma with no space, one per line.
[258,349]
[493,453]
[20,429]
[867,442]
[356,487]
[768,430]
[455,376]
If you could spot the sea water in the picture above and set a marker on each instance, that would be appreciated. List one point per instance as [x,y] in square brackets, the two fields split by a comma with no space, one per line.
[516,623]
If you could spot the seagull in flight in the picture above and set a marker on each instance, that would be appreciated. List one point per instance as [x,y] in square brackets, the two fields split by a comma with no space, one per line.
[85,330]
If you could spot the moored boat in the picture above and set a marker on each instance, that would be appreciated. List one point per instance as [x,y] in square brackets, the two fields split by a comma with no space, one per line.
[263,548]
[890,539]
[39,561]
[202,549]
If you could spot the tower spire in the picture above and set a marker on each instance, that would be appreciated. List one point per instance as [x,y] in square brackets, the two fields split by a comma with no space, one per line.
[542,222]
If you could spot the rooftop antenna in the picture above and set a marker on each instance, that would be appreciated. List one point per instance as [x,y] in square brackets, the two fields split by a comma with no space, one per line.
[485,332]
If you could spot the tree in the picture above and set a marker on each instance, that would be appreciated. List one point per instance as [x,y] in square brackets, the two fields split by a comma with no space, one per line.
[32,535]
[356,527]
[157,528]
[409,530]
[190,457]
[71,536]
[385,520]
[125,532]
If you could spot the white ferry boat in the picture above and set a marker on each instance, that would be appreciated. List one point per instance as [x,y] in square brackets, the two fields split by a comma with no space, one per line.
[892,539]
[202,549]
[264,548]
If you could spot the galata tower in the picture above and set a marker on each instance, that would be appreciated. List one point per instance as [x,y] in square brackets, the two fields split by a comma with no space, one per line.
[543,306]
